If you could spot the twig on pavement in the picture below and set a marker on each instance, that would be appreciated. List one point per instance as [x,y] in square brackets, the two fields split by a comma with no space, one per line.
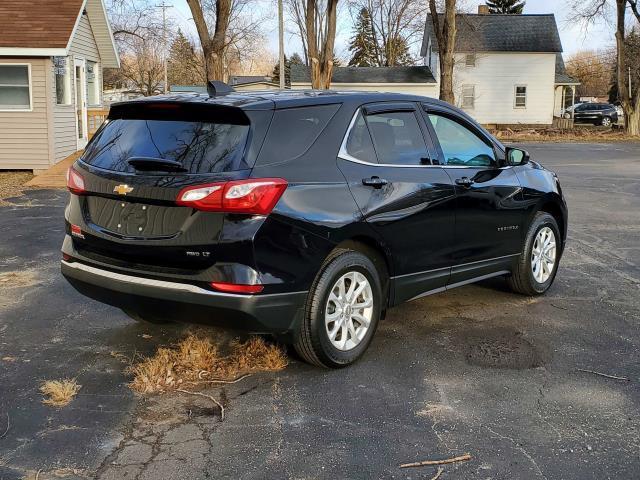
[604,375]
[438,473]
[461,458]
[206,396]
[6,430]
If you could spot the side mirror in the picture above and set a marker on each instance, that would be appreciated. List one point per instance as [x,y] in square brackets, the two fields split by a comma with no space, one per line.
[516,156]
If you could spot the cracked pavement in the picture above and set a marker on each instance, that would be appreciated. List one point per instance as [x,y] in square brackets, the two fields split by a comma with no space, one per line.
[477,369]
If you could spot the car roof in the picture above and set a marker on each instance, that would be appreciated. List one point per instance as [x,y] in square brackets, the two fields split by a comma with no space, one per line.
[270,99]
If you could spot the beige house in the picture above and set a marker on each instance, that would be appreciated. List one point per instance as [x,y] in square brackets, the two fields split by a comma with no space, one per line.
[52,53]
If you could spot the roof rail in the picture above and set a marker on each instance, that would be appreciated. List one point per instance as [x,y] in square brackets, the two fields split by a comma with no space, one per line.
[218,89]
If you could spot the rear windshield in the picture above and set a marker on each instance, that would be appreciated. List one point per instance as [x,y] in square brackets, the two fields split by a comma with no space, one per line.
[200,147]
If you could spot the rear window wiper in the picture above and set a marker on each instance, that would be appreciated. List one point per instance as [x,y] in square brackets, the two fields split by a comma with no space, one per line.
[155,164]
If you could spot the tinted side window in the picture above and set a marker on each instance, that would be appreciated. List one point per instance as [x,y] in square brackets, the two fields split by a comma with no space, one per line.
[397,138]
[294,130]
[359,144]
[460,146]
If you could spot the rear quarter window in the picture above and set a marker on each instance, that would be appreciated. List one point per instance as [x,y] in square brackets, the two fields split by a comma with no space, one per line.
[294,130]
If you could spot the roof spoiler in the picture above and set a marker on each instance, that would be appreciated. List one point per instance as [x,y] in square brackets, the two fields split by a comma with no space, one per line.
[218,89]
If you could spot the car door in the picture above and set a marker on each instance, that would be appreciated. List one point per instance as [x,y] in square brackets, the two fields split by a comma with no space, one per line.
[386,160]
[587,112]
[489,207]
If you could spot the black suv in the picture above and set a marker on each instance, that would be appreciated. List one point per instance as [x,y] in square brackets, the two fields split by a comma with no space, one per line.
[603,114]
[303,214]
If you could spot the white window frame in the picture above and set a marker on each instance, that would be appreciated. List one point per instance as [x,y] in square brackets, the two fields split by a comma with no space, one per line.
[463,96]
[69,93]
[97,81]
[471,56]
[30,109]
[515,96]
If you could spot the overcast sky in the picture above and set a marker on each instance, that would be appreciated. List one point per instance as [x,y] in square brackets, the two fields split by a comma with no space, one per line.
[573,35]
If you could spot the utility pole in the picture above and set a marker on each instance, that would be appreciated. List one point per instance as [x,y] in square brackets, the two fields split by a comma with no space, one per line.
[281,43]
[164,7]
[630,95]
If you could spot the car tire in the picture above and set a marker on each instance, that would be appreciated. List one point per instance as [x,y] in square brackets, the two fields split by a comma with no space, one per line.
[567,115]
[147,318]
[532,274]
[606,121]
[326,311]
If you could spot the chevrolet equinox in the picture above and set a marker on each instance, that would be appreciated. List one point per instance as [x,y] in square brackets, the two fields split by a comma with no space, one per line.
[302,214]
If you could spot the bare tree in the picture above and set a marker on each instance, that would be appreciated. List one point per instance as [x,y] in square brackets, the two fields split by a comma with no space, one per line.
[591,11]
[397,25]
[593,70]
[444,26]
[213,46]
[142,67]
[228,31]
[321,38]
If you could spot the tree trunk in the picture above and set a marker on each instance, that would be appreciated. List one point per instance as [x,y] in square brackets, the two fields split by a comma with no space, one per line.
[213,48]
[321,56]
[446,36]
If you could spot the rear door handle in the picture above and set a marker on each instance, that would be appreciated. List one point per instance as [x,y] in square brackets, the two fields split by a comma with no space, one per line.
[464,182]
[375,182]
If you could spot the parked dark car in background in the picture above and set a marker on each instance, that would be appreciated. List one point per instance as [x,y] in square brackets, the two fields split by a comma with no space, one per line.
[603,114]
[303,214]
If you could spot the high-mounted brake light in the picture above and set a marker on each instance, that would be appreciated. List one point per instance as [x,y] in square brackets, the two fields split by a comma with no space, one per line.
[75,182]
[236,287]
[256,196]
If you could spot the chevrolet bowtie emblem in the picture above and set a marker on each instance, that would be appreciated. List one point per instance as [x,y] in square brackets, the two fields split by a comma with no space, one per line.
[122,189]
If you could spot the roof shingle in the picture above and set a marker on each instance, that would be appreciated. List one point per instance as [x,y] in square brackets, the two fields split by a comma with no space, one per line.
[500,33]
[37,24]
[411,74]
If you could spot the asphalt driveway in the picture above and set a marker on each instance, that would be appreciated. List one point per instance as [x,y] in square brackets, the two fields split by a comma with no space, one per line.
[478,370]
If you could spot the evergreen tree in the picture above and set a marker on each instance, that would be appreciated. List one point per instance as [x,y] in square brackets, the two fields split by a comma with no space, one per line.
[632,53]
[184,66]
[397,52]
[275,76]
[513,7]
[363,42]
[296,59]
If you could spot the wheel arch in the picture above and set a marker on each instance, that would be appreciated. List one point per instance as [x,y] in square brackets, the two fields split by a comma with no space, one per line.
[376,251]
[553,207]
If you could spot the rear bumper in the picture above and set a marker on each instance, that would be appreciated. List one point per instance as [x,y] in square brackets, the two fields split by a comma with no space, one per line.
[271,313]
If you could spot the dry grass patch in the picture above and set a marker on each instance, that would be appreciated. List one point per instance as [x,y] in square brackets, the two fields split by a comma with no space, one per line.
[11,184]
[196,360]
[570,135]
[59,392]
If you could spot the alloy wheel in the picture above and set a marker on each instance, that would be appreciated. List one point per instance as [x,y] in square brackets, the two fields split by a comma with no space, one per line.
[606,122]
[543,255]
[349,311]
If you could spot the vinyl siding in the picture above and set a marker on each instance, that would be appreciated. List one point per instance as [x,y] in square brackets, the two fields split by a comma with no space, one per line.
[495,77]
[83,45]
[24,136]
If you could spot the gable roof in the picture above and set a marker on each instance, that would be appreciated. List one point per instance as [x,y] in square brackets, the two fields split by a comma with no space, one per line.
[411,74]
[46,28]
[500,33]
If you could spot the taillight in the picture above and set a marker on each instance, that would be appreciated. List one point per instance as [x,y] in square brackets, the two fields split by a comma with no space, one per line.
[255,196]
[236,287]
[75,182]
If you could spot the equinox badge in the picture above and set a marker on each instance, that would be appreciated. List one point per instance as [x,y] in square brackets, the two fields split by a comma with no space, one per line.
[122,189]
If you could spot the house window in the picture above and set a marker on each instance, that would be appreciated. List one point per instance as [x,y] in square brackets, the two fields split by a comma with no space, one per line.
[468,96]
[63,80]
[93,92]
[15,87]
[521,96]
[470,60]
